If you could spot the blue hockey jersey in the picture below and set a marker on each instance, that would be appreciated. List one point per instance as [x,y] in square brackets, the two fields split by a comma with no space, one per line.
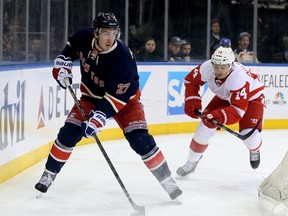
[109,76]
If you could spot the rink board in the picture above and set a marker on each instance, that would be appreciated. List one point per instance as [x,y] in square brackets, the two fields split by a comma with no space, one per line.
[33,108]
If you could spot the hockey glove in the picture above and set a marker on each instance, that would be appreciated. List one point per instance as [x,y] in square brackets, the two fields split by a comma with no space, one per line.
[96,121]
[62,69]
[216,115]
[191,104]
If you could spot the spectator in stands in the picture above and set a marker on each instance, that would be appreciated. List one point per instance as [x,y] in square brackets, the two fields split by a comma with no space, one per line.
[174,52]
[186,50]
[148,52]
[134,40]
[282,55]
[215,35]
[35,53]
[242,53]
[56,42]
[285,43]
[7,42]
[225,42]
[266,45]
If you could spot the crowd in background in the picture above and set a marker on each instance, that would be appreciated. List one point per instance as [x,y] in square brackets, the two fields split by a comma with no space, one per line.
[186,36]
[272,34]
[180,50]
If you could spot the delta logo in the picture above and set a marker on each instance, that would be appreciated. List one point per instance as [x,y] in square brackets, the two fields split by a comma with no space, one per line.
[54,103]
[41,114]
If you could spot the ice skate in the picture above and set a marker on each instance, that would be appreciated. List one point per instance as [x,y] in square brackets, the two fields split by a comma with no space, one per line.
[45,181]
[171,187]
[188,168]
[254,159]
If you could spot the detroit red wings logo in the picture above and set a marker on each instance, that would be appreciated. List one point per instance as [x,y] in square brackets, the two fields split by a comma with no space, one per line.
[218,82]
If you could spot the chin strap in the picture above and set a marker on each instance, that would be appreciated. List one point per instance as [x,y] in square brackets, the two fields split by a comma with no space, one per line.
[230,68]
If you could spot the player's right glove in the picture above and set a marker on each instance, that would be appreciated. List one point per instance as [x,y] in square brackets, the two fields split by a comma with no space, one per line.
[96,121]
[62,69]
[191,104]
[193,100]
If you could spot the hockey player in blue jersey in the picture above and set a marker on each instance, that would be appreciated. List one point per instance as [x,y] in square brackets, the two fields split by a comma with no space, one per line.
[109,88]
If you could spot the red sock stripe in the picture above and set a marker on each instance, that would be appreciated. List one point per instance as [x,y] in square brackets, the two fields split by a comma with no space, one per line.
[196,147]
[155,160]
[257,147]
[60,154]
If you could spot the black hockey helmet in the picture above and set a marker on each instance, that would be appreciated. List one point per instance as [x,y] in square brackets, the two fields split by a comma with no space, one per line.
[105,20]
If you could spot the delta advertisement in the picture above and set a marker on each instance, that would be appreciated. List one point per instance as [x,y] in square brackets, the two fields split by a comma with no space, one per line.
[33,107]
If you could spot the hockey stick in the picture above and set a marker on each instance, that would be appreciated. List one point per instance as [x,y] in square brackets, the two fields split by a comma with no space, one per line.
[139,209]
[242,137]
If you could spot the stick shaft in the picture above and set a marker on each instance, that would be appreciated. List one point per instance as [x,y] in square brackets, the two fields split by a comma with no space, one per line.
[136,207]
[242,137]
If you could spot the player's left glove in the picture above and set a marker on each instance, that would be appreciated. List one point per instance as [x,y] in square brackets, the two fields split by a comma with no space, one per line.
[96,121]
[217,115]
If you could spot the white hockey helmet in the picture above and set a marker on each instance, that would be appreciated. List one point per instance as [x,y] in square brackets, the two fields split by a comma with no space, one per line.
[223,55]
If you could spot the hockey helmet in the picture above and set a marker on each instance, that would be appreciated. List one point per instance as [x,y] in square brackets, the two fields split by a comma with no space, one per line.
[223,55]
[105,20]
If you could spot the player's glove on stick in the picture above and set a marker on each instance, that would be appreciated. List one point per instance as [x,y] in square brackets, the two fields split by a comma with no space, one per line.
[62,69]
[216,115]
[96,121]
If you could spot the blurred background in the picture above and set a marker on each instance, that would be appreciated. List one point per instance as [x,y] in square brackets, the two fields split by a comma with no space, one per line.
[36,31]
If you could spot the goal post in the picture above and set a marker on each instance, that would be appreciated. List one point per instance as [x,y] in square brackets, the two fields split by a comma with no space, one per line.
[273,191]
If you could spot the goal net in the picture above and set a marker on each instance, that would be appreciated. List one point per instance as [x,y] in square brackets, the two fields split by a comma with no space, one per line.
[273,191]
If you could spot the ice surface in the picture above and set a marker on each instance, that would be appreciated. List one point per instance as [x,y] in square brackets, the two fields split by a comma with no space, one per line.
[223,183]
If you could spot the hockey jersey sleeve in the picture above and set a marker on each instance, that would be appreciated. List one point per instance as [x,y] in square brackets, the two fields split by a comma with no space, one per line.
[80,40]
[192,83]
[68,51]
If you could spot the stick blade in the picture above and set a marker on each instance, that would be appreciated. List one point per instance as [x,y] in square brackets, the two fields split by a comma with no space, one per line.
[140,210]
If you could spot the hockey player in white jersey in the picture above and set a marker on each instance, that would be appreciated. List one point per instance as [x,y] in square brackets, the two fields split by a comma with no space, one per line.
[238,99]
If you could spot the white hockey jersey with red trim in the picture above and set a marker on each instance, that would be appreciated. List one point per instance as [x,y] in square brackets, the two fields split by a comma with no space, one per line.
[238,88]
